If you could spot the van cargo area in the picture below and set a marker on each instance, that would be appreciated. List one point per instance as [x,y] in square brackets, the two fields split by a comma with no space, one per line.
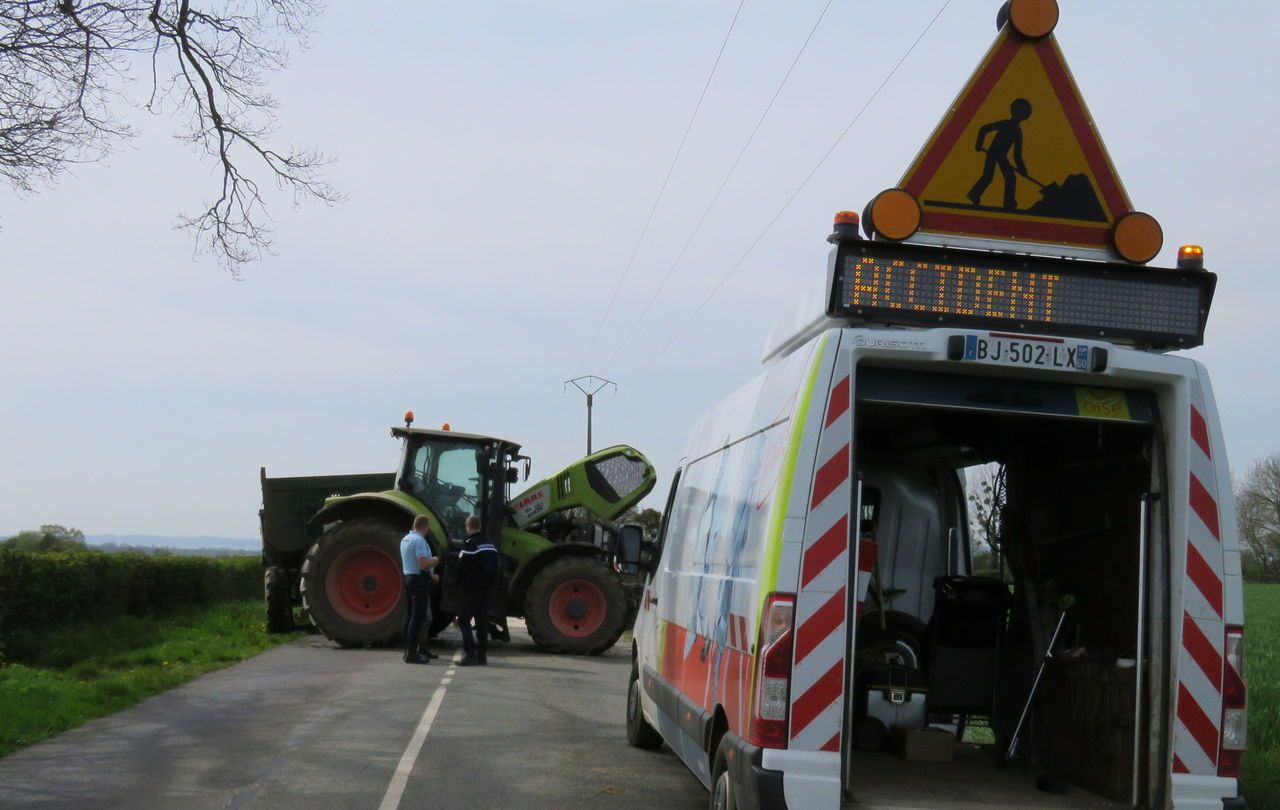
[965,634]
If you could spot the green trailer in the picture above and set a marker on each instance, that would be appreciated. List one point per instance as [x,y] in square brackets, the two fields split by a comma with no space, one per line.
[330,544]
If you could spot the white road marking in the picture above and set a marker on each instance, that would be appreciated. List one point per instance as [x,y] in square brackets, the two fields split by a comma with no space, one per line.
[391,800]
[446,681]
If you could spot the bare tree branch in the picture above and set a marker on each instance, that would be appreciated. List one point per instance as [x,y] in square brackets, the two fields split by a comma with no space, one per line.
[64,70]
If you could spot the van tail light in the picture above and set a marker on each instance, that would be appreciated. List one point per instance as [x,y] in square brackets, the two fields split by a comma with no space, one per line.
[772,701]
[1235,724]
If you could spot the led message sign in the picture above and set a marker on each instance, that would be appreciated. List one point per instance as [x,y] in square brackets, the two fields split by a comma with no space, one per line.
[889,283]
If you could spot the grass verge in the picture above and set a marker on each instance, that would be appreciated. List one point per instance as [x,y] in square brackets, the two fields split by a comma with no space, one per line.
[1261,786]
[66,676]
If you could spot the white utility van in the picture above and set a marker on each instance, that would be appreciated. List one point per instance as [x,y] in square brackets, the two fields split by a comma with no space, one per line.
[813,631]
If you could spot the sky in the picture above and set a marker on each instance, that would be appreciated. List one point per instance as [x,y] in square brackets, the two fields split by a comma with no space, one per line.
[500,161]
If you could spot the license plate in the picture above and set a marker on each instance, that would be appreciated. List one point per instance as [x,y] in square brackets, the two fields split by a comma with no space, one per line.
[1012,350]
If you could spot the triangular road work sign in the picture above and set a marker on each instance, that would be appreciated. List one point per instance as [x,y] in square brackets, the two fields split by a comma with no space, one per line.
[1017,157]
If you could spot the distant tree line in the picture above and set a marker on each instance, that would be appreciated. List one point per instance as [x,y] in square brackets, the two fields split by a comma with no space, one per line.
[52,537]
[1258,513]
[49,537]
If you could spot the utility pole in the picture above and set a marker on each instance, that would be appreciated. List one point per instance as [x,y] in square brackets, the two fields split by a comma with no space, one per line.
[590,385]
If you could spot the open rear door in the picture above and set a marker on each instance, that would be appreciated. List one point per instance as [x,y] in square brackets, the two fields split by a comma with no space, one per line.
[823,599]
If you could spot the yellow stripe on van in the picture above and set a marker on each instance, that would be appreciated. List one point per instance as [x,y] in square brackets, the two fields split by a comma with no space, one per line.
[773,546]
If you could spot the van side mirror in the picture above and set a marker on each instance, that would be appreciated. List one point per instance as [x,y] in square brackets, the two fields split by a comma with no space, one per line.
[630,548]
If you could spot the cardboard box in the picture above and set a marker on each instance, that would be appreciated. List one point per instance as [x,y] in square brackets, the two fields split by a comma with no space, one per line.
[921,744]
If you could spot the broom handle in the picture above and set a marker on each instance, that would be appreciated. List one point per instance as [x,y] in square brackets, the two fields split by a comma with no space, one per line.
[1031,696]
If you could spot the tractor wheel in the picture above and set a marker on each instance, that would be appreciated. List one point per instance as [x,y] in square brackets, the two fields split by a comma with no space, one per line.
[279,598]
[352,585]
[576,605]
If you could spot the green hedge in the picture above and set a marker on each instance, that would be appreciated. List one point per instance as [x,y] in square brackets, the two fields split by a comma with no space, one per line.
[41,589]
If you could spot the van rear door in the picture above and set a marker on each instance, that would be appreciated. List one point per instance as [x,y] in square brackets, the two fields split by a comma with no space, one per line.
[824,601]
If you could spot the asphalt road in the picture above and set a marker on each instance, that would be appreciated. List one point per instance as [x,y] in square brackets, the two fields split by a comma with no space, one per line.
[310,725]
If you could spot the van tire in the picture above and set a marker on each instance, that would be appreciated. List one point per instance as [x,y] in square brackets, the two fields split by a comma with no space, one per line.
[903,633]
[279,600]
[639,733]
[352,585]
[566,587]
[722,793]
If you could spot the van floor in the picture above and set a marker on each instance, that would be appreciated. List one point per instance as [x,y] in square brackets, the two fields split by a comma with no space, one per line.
[971,780]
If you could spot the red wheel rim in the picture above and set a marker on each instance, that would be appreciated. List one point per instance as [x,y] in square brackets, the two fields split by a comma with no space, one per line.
[577,608]
[363,585]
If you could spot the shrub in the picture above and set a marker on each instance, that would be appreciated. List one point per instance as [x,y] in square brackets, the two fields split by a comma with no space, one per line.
[41,589]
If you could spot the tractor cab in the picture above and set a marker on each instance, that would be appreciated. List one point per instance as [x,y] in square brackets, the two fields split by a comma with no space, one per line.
[456,475]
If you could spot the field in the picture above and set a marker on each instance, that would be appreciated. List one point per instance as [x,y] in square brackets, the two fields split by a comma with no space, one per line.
[70,675]
[1262,670]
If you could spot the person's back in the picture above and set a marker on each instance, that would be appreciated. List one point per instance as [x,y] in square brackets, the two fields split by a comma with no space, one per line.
[477,574]
[477,564]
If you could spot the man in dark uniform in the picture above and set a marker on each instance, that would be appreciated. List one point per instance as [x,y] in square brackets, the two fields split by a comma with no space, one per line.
[417,562]
[477,574]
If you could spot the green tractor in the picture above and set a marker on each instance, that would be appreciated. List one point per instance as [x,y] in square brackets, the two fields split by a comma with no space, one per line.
[331,544]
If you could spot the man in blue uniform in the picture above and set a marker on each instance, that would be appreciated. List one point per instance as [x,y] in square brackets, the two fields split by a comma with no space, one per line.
[417,562]
[477,574]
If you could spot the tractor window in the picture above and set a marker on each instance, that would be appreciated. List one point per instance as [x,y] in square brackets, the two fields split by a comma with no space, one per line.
[443,476]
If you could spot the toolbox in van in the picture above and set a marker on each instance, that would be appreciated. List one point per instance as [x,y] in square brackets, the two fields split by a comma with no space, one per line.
[890,695]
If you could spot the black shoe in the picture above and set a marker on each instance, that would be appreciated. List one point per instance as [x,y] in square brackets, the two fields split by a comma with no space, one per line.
[430,654]
[482,659]
[416,659]
[469,660]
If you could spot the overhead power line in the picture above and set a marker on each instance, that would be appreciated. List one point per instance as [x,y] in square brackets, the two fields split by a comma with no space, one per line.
[716,197]
[803,183]
[661,190]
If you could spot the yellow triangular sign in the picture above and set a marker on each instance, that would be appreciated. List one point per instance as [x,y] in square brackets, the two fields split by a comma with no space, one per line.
[1018,157]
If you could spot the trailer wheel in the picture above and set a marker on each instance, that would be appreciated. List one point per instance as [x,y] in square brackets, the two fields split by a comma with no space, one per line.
[639,733]
[352,586]
[279,599]
[576,605]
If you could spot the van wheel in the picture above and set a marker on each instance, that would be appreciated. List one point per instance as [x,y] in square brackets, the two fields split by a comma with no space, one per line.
[903,635]
[722,797]
[576,605]
[639,733]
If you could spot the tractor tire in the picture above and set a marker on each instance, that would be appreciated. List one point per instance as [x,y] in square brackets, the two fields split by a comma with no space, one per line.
[279,599]
[576,605]
[352,584]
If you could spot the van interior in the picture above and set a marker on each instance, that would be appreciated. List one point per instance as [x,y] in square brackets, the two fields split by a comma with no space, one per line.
[954,630]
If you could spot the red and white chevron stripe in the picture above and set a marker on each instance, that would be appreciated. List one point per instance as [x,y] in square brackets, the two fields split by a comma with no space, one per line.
[1199,698]
[818,675]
